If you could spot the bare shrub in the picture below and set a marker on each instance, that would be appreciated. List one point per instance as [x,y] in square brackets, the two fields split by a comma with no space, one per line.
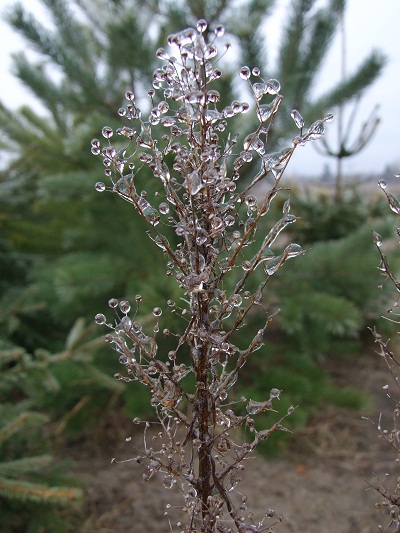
[389,491]
[203,225]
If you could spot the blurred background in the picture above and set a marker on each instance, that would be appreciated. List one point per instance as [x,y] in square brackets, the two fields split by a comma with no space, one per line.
[66,250]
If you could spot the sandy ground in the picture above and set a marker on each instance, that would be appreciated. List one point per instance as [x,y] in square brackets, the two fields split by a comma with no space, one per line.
[318,486]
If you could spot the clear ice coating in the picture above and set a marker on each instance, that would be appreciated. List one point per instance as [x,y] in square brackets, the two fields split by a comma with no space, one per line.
[196,186]
[298,119]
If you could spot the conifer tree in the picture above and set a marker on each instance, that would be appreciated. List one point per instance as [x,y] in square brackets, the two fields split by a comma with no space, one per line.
[71,253]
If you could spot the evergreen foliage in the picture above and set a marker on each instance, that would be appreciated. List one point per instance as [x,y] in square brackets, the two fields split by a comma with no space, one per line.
[63,253]
[72,254]
[32,487]
[335,282]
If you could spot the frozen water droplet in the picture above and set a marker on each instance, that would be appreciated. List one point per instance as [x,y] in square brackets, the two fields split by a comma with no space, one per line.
[113,302]
[315,131]
[201,236]
[245,73]
[394,204]
[246,265]
[129,95]
[256,71]
[382,184]
[254,407]
[219,30]
[107,132]
[100,187]
[212,115]
[163,107]
[329,117]
[273,264]
[236,300]
[167,122]
[162,242]
[298,119]
[253,142]
[193,183]
[157,311]
[265,111]
[125,306]
[213,96]
[376,238]
[201,26]
[163,208]
[250,201]
[162,54]
[217,225]
[229,220]
[258,90]
[293,250]
[275,393]
[272,87]
[100,319]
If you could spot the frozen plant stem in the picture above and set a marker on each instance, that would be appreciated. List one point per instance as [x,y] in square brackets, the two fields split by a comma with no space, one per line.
[186,145]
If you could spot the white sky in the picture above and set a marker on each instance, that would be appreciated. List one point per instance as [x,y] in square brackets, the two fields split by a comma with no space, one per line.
[369,24]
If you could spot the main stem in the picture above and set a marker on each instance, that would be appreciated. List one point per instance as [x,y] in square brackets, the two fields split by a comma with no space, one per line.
[203,412]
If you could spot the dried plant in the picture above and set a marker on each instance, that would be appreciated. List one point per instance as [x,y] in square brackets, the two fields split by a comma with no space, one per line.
[389,492]
[198,164]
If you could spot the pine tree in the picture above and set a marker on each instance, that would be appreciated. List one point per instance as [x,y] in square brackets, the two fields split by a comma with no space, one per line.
[71,254]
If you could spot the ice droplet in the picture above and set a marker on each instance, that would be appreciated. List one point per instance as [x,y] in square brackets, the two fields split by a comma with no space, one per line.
[394,204]
[162,54]
[163,208]
[250,201]
[376,238]
[258,90]
[265,111]
[100,187]
[113,302]
[246,265]
[201,236]
[272,86]
[157,311]
[125,306]
[162,242]
[275,393]
[213,96]
[201,26]
[245,73]
[100,319]
[316,131]
[253,142]
[193,183]
[382,184]
[254,407]
[107,132]
[329,117]
[219,30]
[298,119]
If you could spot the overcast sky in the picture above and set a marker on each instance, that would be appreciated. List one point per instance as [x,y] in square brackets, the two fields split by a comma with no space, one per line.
[369,24]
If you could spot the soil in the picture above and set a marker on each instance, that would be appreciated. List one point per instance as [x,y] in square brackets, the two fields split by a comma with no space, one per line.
[319,485]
